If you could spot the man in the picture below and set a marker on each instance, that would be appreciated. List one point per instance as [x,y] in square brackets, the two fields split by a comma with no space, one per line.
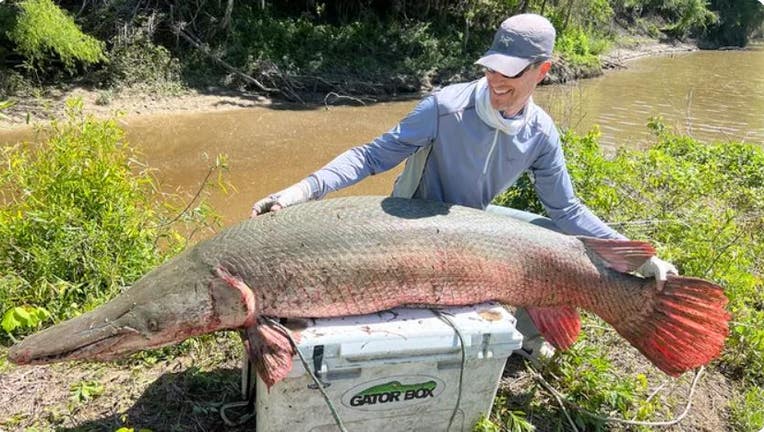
[469,142]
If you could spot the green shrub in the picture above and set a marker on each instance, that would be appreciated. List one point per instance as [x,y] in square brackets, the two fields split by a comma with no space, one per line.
[139,63]
[79,219]
[323,54]
[702,205]
[690,17]
[747,413]
[44,32]
[581,47]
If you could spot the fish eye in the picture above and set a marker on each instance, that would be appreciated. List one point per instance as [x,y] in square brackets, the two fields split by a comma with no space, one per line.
[152,325]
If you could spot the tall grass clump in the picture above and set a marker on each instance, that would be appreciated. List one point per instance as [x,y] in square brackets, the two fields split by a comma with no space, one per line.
[79,219]
[701,204]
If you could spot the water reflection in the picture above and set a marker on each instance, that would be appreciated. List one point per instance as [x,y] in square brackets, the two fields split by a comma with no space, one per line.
[711,95]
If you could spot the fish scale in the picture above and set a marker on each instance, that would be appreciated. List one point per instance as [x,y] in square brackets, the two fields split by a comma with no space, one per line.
[393,251]
[359,255]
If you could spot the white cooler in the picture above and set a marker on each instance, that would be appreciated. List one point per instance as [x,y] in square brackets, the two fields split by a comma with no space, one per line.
[397,370]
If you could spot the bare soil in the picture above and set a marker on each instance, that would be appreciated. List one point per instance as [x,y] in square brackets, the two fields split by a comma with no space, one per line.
[180,392]
[129,103]
[184,391]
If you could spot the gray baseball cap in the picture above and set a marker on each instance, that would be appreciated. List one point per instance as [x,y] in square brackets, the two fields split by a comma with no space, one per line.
[521,40]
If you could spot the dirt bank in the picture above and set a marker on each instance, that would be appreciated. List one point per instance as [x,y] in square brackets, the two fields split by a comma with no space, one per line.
[35,109]
[185,391]
[620,56]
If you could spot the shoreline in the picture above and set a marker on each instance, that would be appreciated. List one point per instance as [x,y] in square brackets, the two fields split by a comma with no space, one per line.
[103,104]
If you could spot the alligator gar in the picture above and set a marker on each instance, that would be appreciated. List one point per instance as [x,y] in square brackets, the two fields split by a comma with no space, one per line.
[360,255]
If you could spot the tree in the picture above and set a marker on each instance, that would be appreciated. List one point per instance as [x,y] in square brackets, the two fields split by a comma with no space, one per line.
[738,21]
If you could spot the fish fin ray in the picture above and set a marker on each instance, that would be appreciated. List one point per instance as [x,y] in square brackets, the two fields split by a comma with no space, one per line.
[271,352]
[680,335]
[247,297]
[560,325]
[621,255]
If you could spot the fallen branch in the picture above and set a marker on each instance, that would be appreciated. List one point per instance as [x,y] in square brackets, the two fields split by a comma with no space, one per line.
[556,395]
[178,29]
[285,78]
[339,96]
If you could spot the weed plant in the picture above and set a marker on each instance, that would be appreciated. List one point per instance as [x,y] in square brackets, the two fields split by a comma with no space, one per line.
[79,220]
[702,205]
[139,64]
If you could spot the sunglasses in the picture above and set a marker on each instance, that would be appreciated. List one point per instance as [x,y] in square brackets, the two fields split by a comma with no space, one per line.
[517,75]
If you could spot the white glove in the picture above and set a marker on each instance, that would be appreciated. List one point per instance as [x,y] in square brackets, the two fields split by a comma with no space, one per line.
[656,267]
[295,194]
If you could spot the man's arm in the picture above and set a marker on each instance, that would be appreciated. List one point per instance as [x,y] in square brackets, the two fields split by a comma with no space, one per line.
[555,190]
[417,129]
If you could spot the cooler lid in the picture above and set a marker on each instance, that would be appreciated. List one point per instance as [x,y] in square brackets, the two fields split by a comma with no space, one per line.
[409,332]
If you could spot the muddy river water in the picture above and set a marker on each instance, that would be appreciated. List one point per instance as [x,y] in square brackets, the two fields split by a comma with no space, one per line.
[713,95]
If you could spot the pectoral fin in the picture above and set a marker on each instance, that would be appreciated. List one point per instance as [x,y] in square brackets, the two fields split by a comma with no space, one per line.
[270,351]
[559,325]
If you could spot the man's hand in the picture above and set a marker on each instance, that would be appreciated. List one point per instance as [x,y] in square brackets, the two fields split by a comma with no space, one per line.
[656,267]
[295,194]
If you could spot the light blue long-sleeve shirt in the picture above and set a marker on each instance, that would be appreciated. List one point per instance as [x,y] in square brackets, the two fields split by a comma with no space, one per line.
[464,166]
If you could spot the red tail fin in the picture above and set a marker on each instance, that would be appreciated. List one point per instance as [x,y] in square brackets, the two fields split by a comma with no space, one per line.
[687,327]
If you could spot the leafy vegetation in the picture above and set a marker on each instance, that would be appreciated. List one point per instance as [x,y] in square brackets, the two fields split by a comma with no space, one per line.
[293,48]
[84,391]
[505,419]
[703,206]
[5,105]
[43,32]
[738,20]
[747,413]
[80,219]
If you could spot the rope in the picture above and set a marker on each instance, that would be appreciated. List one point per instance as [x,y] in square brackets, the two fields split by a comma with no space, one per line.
[447,320]
[305,365]
[249,403]
[679,418]
[243,419]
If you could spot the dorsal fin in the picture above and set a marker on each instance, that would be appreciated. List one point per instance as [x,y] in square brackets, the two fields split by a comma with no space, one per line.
[621,255]
[559,325]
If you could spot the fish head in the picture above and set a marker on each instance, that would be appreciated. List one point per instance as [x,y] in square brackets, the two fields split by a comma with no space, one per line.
[175,301]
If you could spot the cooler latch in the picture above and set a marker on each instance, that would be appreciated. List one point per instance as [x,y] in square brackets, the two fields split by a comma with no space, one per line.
[318,361]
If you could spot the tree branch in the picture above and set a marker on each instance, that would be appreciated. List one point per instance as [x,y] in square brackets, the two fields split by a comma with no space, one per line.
[178,29]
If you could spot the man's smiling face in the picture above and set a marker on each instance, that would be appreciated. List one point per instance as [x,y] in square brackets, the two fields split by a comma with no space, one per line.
[510,94]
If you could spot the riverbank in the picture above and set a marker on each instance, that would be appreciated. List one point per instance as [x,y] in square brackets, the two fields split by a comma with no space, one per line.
[163,391]
[49,103]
